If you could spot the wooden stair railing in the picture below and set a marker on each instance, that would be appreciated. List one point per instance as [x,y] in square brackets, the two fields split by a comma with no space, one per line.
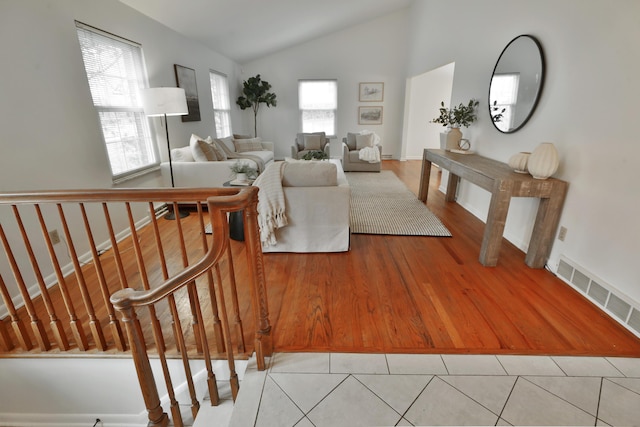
[170,268]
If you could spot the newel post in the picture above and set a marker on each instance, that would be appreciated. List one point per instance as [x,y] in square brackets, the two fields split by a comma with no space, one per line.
[263,340]
[139,353]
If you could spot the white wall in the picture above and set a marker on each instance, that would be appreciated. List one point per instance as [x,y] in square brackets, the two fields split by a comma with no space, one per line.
[423,96]
[75,391]
[587,109]
[372,52]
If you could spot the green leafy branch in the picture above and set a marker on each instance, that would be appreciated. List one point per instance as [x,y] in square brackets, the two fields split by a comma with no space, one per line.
[462,115]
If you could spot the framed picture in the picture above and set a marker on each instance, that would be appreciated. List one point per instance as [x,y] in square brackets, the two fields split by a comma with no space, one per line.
[369,115]
[371,92]
[186,79]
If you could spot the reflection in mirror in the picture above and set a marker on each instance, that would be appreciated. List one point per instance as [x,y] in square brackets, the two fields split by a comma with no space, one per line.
[516,83]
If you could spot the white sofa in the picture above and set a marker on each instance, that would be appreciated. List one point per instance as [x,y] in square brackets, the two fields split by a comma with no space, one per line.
[318,216]
[187,172]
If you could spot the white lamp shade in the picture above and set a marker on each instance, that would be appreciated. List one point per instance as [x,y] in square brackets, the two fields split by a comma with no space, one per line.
[158,101]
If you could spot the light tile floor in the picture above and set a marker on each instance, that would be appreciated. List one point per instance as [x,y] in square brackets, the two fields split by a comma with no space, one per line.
[337,389]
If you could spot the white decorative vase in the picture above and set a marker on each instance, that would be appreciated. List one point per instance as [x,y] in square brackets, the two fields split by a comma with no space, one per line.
[453,139]
[518,162]
[543,161]
[241,177]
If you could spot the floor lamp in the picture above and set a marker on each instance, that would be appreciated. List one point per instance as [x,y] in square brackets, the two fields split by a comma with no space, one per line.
[166,101]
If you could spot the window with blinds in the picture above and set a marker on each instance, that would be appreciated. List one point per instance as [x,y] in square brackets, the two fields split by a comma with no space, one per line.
[318,104]
[116,75]
[221,103]
[504,95]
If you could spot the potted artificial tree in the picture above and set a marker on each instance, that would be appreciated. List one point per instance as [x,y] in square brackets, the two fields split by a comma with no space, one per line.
[255,91]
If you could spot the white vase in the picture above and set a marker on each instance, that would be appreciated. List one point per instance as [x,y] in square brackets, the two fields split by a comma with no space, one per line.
[241,177]
[518,162]
[543,161]
[453,139]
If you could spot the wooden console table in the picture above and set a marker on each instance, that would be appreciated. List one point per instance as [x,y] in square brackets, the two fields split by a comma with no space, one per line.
[503,184]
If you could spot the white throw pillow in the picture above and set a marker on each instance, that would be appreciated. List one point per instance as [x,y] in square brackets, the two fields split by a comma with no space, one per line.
[312,142]
[363,141]
[182,154]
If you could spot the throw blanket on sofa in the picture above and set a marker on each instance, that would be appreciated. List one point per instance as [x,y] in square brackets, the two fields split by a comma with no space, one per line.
[369,154]
[233,155]
[271,204]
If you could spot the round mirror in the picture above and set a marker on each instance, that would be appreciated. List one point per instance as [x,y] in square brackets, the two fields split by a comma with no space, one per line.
[516,84]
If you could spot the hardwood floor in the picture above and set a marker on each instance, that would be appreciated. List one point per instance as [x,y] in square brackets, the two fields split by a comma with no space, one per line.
[405,294]
[401,294]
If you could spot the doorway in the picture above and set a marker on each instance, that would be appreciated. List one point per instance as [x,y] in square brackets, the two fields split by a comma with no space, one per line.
[423,95]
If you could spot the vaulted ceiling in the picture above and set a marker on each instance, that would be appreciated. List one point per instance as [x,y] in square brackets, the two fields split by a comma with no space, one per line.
[244,30]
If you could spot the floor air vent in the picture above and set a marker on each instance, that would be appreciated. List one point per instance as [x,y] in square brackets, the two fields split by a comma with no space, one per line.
[612,301]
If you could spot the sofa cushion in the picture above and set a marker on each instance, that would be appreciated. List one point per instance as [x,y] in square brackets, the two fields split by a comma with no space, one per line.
[364,141]
[354,156]
[244,145]
[265,155]
[220,154]
[238,136]
[309,174]
[228,143]
[224,147]
[182,154]
[201,150]
[300,139]
[351,140]
[312,142]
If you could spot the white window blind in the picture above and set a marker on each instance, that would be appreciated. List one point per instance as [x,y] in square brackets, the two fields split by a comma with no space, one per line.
[115,72]
[221,104]
[504,93]
[318,103]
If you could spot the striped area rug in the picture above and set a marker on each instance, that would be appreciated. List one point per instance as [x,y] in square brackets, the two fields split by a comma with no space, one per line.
[382,204]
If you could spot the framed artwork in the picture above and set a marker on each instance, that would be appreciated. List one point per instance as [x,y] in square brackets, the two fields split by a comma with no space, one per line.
[369,115]
[371,92]
[186,79]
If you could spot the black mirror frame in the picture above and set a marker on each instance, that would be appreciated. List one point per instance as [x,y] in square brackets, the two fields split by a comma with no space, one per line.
[538,95]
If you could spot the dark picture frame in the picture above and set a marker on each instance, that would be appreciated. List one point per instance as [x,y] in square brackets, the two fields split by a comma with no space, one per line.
[370,115]
[186,79]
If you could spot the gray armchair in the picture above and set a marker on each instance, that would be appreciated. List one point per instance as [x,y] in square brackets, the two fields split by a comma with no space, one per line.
[305,142]
[351,156]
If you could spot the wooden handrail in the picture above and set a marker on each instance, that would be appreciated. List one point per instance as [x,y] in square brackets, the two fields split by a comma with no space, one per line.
[105,277]
[126,298]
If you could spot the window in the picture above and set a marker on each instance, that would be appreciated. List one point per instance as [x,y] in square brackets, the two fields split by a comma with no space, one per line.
[504,93]
[318,103]
[221,104]
[115,72]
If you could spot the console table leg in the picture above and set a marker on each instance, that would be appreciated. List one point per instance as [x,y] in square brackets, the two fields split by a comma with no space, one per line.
[544,229]
[452,188]
[496,219]
[425,176]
